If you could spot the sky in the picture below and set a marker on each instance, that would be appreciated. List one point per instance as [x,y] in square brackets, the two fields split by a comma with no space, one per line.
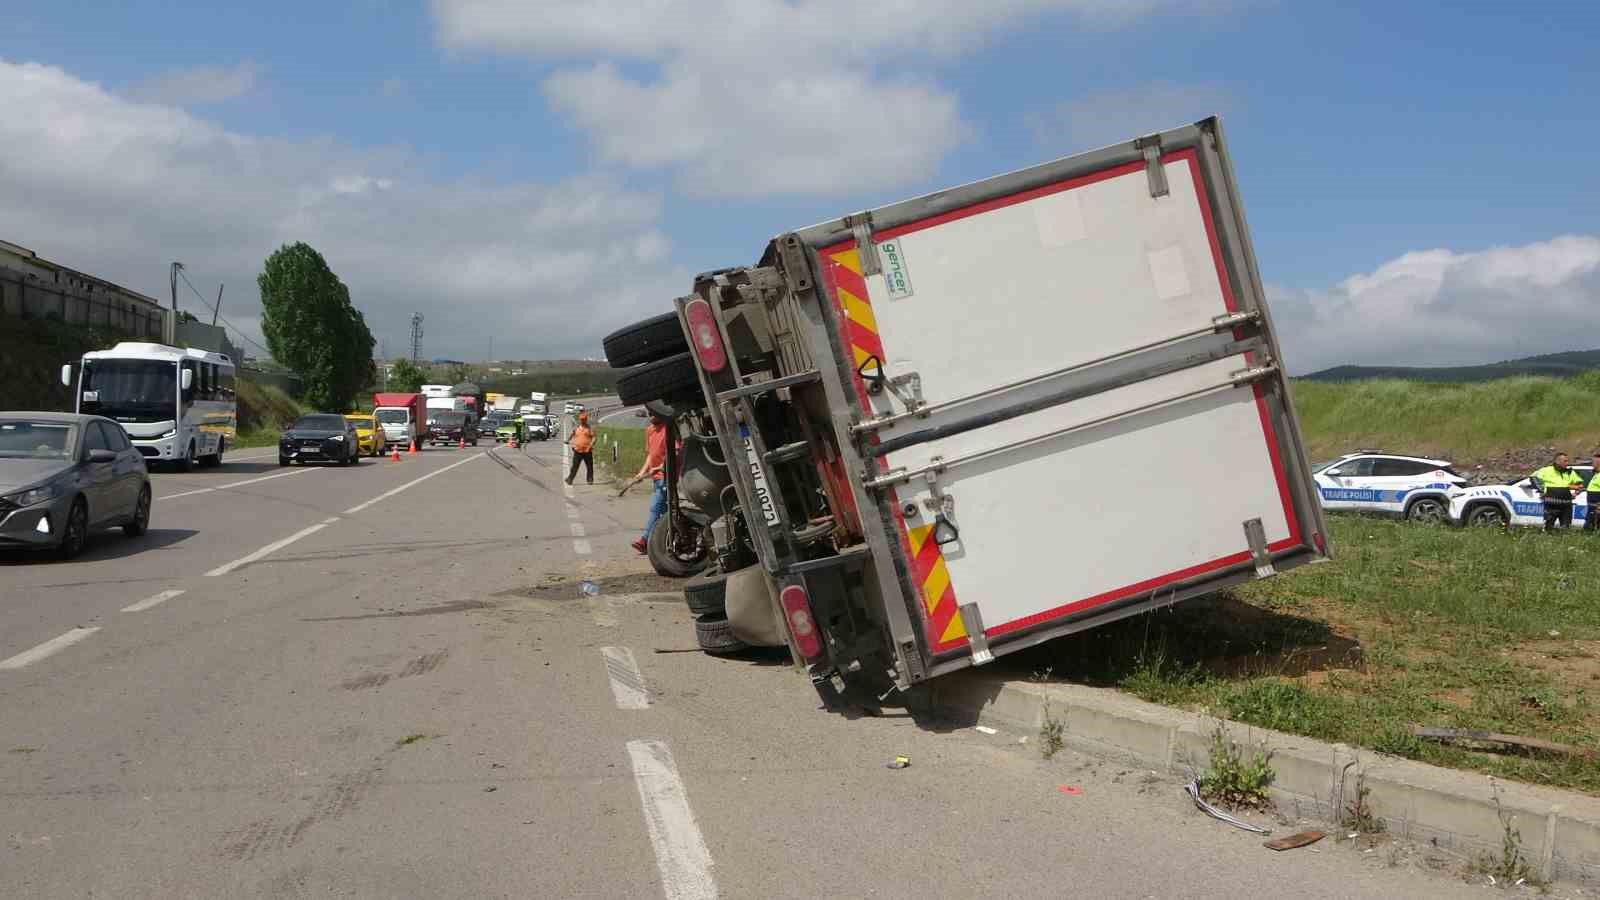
[1420,177]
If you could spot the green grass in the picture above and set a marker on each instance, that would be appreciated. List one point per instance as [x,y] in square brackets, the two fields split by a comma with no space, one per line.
[629,444]
[1458,421]
[264,411]
[1409,625]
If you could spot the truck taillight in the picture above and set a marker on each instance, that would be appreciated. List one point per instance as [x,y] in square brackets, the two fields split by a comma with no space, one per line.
[802,627]
[704,337]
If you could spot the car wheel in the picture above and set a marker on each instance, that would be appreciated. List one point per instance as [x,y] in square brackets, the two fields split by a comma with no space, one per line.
[140,523]
[645,341]
[76,532]
[1427,509]
[283,460]
[706,594]
[715,636]
[665,379]
[666,558]
[1486,515]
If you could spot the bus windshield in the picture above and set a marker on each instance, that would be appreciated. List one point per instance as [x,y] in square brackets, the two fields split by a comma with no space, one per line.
[130,390]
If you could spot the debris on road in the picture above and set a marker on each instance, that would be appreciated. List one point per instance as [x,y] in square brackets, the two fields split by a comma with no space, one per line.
[984,728]
[899,762]
[1294,841]
[1467,735]
[1072,789]
[589,588]
[1193,788]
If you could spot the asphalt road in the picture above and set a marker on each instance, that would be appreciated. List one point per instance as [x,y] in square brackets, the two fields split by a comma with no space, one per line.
[387,681]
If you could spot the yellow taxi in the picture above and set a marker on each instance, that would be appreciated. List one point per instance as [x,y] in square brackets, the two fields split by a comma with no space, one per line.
[369,434]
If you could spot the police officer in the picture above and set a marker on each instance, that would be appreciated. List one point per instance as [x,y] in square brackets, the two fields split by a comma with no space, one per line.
[1591,518]
[1556,482]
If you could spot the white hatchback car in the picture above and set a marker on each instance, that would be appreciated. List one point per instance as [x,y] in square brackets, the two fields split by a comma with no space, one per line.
[1516,503]
[1409,486]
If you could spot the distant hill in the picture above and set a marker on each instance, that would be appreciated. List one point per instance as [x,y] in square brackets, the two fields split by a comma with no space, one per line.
[1558,365]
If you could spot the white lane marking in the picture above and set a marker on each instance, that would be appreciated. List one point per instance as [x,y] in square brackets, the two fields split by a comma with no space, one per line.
[148,602]
[627,684]
[573,512]
[266,455]
[271,548]
[681,853]
[410,484]
[581,546]
[48,648]
[578,530]
[234,484]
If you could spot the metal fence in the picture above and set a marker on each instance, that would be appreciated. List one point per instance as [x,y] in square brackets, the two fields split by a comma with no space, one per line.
[29,299]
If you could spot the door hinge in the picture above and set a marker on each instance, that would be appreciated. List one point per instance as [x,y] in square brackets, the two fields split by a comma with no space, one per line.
[1256,536]
[860,225]
[1153,170]
[972,621]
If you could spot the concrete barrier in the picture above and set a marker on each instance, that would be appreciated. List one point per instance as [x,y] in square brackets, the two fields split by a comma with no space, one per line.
[1455,810]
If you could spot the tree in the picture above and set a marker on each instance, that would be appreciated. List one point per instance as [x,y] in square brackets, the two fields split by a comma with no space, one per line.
[406,377]
[312,328]
[458,373]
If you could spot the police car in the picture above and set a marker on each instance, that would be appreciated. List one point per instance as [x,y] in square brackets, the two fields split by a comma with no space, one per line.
[1410,486]
[1516,503]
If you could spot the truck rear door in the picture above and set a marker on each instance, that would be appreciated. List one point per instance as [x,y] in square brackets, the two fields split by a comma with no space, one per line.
[1070,405]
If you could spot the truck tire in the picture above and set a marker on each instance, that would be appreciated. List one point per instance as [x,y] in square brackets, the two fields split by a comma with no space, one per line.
[646,341]
[715,636]
[665,560]
[706,595]
[666,379]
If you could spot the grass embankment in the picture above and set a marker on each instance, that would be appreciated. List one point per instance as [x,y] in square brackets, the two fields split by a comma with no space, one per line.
[1411,624]
[1468,423]
[629,454]
[264,411]
[32,352]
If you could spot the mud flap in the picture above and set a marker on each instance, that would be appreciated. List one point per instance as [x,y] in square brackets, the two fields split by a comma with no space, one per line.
[750,608]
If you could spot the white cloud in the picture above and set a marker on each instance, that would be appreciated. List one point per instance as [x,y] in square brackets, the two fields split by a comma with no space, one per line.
[118,189]
[747,98]
[1105,117]
[196,86]
[1438,307]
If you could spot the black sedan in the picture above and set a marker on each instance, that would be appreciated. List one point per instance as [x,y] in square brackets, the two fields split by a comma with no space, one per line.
[320,436]
[450,427]
[63,476]
[488,424]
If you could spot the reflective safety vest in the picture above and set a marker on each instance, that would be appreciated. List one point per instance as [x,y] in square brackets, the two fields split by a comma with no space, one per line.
[1552,479]
[1594,483]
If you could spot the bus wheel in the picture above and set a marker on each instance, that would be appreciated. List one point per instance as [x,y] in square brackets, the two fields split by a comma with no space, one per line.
[185,462]
[211,461]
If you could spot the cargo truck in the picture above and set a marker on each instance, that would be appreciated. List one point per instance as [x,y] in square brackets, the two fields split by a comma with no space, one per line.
[965,424]
[403,417]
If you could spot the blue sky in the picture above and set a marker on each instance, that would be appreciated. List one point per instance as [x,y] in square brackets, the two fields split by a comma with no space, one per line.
[1418,176]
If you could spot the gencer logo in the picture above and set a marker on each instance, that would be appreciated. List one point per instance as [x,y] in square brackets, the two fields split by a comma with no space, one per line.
[895,274]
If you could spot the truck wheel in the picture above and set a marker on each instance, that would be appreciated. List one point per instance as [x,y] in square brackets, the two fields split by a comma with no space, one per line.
[715,636]
[646,341]
[668,561]
[665,379]
[1427,509]
[706,595]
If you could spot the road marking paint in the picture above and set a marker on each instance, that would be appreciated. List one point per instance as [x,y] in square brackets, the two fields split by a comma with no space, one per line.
[271,548]
[410,484]
[581,546]
[681,853]
[266,455]
[48,648]
[573,512]
[627,684]
[148,602]
[234,484]
[578,530]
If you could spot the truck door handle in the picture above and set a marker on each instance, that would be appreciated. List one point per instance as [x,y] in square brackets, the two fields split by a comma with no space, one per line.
[945,531]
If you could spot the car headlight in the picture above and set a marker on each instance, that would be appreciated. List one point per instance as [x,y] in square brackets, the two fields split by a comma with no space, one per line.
[35,495]
[172,433]
[337,437]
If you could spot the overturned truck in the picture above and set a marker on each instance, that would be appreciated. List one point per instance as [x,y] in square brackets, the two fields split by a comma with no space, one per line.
[920,436]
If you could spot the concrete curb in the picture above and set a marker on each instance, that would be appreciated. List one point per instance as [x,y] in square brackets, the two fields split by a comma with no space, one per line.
[1454,810]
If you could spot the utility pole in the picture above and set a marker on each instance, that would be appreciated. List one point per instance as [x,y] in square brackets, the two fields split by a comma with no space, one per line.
[416,338]
[217,310]
[176,267]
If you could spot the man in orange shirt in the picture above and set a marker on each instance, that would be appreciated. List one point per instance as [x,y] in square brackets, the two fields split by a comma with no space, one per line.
[582,441]
[655,460]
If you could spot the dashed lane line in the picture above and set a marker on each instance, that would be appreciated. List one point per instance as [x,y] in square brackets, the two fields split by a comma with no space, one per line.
[411,484]
[627,684]
[233,484]
[271,548]
[149,602]
[681,854]
[48,648]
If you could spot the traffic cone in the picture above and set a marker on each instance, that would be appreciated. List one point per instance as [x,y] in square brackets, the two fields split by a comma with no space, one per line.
[396,452]
[462,444]
[511,442]
[413,446]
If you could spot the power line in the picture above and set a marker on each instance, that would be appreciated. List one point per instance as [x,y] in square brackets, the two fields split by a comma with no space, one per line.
[216,312]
